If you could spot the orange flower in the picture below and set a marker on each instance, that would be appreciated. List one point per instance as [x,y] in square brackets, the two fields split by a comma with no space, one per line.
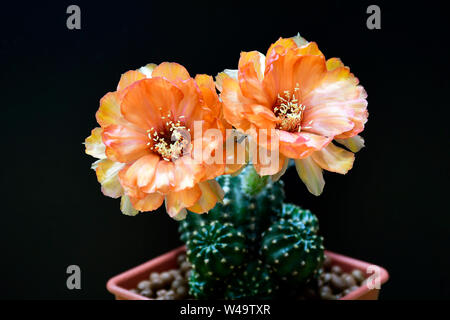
[304,101]
[149,141]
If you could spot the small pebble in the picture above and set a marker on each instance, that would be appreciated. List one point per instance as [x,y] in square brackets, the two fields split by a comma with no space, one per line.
[166,277]
[185,267]
[175,273]
[326,293]
[358,275]
[170,295]
[153,275]
[336,269]
[349,280]
[181,258]
[147,293]
[181,292]
[326,277]
[327,263]
[144,284]
[156,284]
[353,288]
[337,283]
[161,292]
[178,283]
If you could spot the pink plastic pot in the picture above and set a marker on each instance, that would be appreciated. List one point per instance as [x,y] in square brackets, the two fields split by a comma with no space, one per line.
[121,284]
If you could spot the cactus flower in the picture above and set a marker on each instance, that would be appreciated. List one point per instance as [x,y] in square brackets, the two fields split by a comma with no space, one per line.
[144,154]
[304,100]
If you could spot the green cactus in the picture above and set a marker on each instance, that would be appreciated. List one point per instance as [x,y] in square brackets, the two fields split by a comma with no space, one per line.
[295,213]
[201,288]
[293,250]
[192,222]
[215,249]
[249,205]
[227,246]
[253,281]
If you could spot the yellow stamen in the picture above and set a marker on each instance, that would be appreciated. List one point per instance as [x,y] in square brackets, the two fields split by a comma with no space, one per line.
[169,146]
[290,111]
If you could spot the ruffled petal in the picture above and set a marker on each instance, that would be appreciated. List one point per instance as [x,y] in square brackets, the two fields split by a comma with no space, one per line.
[176,201]
[94,144]
[171,71]
[188,172]
[268,162]
[300,145]
[164,180]
[211,193]
[338,106]
[286,72]
[281,46]
[128,78]
[124,144]
[191,107]
[127,207]
[234,104]
[141,173]
[221,76]
[334,159]
[279,174]
[251,74]
[311,175]
[150,202]
[108,175]
[148,100]
[354,143]
[147,69]
[209,94]
[261,116]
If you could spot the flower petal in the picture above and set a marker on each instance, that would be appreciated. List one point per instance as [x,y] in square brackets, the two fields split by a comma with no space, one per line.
[279,174]
[334,159]
[127,207]
[171,71]
[176,201]
[250,75]
[234,104]
[141,173]
[221,76]
[338,106]
[147,69]
[300,145]
[150,202]
[211,193]
[128,78]
[108,175]
[268,162]
[188,172]
[124,144]
[209,94]
[311,175]
[94,144]
[281,45]
[164,180]
[149,99]
[354,143]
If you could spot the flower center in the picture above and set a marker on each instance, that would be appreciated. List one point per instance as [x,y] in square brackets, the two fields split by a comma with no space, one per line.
[289,111]
[171,141]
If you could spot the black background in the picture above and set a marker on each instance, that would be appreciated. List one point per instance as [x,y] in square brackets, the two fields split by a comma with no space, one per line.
[391,209]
